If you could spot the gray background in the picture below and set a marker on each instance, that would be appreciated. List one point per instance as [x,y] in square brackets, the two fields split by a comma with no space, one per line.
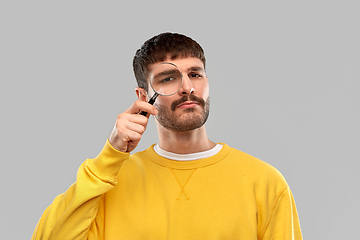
[284,82]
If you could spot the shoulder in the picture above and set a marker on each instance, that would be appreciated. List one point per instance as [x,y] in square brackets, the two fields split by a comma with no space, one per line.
[138,157]
[254,168]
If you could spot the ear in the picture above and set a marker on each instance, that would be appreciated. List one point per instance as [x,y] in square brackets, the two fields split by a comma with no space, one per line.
[141,94]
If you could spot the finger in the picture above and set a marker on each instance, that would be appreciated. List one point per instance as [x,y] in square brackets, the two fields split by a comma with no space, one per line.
[124,135]
[133,127]
[126,118]
[131,136]
[140,106]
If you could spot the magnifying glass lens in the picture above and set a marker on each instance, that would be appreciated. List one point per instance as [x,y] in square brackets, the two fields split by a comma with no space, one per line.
[165,79]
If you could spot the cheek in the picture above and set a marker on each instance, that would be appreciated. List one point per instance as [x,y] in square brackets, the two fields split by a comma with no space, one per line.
[164,100]
[202,89]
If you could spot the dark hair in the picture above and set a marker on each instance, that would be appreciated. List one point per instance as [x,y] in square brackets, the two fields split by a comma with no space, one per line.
[161,47]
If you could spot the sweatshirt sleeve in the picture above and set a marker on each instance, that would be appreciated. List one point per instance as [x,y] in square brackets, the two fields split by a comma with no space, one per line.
[72,214]
[283,223]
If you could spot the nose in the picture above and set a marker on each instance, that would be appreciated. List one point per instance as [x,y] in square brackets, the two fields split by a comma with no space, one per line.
[187,86]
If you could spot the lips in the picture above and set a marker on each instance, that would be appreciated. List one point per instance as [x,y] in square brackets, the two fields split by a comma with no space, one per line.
[187,101]
[188,104]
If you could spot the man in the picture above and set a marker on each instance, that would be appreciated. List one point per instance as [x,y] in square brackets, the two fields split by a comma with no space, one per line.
[186,186]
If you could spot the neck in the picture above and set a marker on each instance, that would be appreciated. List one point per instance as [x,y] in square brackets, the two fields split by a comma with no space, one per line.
[184,142]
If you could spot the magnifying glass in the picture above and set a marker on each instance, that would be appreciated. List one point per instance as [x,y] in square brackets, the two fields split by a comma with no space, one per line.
[165,79]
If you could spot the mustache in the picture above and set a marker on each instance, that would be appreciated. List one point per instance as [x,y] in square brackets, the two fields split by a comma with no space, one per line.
[187,98]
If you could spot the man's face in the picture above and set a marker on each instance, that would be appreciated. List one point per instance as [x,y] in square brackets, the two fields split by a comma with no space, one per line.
[188,109]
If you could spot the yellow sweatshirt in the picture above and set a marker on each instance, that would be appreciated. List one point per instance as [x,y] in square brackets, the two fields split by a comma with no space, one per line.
[231,195]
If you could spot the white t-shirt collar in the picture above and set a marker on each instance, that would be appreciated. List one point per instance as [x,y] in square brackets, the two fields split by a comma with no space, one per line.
[190,156]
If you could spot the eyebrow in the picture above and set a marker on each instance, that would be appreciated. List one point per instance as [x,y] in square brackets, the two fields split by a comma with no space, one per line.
[195,69]
[165,73]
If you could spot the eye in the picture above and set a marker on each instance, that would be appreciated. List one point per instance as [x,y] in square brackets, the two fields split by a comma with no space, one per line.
[166,80]
[195,75]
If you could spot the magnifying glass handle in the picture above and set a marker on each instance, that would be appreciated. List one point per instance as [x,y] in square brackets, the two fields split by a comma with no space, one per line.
[151,101]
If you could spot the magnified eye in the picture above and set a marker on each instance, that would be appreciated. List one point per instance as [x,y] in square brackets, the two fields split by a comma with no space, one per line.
[165,80]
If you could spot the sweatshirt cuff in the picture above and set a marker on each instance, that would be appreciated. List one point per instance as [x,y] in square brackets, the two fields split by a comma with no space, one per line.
[109,161]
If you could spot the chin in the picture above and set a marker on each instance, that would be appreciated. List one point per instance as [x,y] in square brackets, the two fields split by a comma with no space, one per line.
[185,122]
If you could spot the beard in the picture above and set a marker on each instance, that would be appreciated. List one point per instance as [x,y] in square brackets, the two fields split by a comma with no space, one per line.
[190,118]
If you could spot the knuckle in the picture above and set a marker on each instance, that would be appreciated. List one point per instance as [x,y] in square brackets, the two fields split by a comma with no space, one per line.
[120,116]
[136,137]
[137,103]
[121,129]
[142,129]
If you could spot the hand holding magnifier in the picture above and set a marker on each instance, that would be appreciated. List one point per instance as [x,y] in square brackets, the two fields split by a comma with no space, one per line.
[166,80]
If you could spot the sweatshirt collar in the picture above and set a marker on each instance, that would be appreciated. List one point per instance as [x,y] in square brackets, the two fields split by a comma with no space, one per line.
[165,162]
